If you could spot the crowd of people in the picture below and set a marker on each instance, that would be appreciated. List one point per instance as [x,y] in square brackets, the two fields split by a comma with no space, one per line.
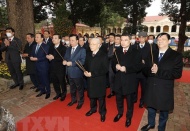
[93,63]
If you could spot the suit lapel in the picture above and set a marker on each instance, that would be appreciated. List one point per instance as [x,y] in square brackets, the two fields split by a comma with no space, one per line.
[76,51]
[166,54]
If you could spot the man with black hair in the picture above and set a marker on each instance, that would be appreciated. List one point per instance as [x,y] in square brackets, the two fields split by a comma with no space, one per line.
[30,65]
[13,48]
[167,66]
[47,40]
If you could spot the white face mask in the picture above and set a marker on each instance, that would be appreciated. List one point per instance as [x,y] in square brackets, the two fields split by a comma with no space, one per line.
[63,41]
[132,41]
[67,42]
[150,41]
[8,34]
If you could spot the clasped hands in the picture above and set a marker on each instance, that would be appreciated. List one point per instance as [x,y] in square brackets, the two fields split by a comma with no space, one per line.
[50,57]
[33,58]
[67,63]
[154,68]
[121,68]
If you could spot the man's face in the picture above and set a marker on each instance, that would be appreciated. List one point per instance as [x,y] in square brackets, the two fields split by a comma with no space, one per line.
[163,41]
[29,39]
[151,38]
[81,42]
[66,38]
[117,40]
[10,33]
[111,38]
[133,37]
[142,39]
[73,42]
[38,38]
[125,41]
[100,39]
[46,34]
[94,46]
[56,40]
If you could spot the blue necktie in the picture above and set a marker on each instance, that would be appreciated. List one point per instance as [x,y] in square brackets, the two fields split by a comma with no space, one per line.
[160,57]
[37,48]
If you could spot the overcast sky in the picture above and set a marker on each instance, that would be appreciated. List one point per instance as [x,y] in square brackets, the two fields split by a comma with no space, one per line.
[154,9]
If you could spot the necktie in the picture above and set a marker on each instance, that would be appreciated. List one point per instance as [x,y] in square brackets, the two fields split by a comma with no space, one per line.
[37,48]
[93,55]
[124,51]
[160,57]
[72,51]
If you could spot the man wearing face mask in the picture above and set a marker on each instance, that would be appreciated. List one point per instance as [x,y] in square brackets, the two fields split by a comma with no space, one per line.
[133,39]
[67,44]
[13,47]
[151,39]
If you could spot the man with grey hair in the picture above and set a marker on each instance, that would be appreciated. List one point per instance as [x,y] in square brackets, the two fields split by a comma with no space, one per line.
[96,65]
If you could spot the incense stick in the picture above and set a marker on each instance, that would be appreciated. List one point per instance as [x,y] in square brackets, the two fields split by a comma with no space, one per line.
[116,57]
[59,53]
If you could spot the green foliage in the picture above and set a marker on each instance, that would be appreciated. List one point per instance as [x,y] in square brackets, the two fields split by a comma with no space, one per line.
[3,17]
[186,54]
[62,25]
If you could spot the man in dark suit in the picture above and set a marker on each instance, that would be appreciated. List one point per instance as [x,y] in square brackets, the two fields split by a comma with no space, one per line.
[151,39]
[47,40]
[30,65]
[166,67]
[96,65]
[126,64]
[57,69]
[145,49]
[111,51]
[38,55]
[13,47]
[75,74]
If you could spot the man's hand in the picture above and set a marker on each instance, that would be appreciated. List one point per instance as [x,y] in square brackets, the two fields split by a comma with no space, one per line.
[50,57]
[33,58]
[123,69]
[87,74]
[118,66]
[154,69]
[69,63]
[7,42]
[24,55]
[64,62]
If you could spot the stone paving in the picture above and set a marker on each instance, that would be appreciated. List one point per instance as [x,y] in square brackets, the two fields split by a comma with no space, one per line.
[25,102]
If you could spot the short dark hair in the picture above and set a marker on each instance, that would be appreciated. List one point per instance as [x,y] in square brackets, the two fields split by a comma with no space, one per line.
[30,34]
[118,35]
[99,36]
[126,34]
[161,34]
[74,35]
[47,31]
[82,38]
[42,36]
[59,36]
[152,36]
[112,34]
[10,28]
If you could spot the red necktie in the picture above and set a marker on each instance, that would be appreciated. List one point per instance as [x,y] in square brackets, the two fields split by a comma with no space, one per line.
[124,51]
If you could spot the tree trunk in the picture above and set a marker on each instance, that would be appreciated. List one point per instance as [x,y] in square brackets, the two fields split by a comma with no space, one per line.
[134,16]
[21,18]
[182,36]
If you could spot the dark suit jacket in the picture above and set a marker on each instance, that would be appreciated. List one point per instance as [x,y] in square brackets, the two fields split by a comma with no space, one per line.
[30,65]
[13,51]
[56,65]
[98,66]
[125,81]
[42,64]
[49,42]
[159,92]
[79,55]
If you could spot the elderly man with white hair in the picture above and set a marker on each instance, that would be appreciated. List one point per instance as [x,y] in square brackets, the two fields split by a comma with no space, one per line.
[96,65]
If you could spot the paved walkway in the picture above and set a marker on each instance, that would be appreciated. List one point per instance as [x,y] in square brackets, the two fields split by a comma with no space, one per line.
[25,102]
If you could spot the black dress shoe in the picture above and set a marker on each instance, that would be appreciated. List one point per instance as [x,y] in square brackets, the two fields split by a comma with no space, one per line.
[128,122]
[21,87]
[103,118]
[56,97]
[47,96]
[79,106]
[71,103]
[117,117]
[40,94]
[147,127]
[89,113]
[37,90]
[141,104]
[110,95]
[62,98]
[33,87]
[14,86]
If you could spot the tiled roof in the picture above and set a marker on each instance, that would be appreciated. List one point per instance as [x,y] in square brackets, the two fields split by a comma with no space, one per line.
[154,18]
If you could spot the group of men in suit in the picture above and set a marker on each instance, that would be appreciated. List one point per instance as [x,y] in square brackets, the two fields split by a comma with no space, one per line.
[123,63]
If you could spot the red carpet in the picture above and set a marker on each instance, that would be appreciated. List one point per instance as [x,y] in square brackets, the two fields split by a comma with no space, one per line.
[57,116]
[185,77]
